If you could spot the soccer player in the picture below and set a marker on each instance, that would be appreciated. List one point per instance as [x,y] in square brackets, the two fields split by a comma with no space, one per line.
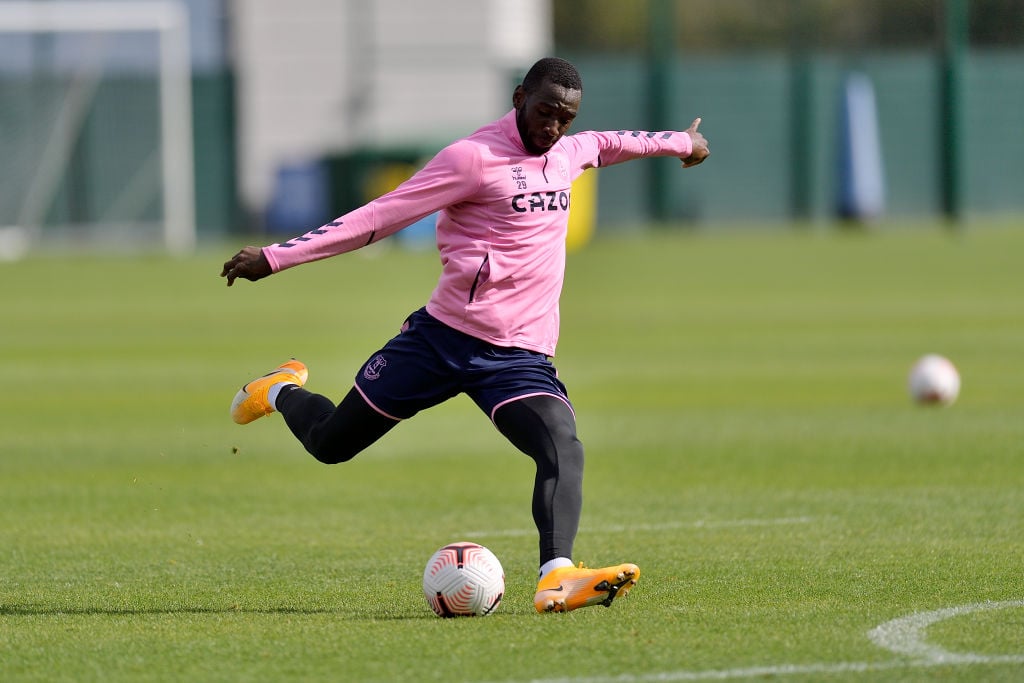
[490,327]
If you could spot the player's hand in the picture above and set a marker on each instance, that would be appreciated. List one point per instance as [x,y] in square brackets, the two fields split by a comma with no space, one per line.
[700,150]
[249,264]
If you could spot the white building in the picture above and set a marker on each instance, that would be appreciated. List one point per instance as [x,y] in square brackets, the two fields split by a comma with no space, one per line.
[318,77]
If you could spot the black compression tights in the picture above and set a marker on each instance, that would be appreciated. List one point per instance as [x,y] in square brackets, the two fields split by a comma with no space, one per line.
[542,427]
[332,434]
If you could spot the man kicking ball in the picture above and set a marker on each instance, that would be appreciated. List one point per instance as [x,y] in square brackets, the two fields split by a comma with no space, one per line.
[490,327]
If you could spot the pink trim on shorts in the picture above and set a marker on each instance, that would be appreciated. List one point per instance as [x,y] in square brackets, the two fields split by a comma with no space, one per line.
[536,393]
[371,404]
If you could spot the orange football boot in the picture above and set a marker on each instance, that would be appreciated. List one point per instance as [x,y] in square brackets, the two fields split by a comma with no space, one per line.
[569,588]
[251,401]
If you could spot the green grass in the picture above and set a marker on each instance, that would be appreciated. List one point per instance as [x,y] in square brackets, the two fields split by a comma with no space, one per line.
[749,439]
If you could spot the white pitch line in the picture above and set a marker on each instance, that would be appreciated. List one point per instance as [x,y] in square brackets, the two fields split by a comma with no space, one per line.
[903,636]
[729,674]
[664,526]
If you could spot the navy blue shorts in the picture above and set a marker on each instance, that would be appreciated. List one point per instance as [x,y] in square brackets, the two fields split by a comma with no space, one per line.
[429,362]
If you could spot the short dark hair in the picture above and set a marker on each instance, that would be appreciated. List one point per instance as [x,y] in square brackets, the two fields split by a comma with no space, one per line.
[552,70]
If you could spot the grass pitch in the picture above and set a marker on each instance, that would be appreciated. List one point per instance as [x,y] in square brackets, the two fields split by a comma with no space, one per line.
[749,438]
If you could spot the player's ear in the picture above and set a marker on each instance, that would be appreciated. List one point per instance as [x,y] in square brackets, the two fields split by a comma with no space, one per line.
[518,97]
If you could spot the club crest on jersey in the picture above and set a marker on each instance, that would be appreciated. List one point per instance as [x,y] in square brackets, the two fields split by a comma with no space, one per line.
[562,169]
[374,368]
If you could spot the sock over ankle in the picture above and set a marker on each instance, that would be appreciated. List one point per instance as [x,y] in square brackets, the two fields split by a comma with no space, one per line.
[553,564]
[275,390]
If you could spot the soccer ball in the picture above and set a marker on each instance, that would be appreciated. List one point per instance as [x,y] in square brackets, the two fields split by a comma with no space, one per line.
[934,380]
[463,580]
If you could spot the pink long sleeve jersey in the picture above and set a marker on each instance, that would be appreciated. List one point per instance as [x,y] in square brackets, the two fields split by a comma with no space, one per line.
[501,228]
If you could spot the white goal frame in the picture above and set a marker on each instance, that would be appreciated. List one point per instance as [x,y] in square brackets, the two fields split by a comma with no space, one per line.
[169,20]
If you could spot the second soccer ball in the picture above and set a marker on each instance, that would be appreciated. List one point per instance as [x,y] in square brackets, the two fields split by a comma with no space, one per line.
[934,379]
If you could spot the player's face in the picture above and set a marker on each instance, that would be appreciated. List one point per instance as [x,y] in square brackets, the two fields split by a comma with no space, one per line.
[545,115]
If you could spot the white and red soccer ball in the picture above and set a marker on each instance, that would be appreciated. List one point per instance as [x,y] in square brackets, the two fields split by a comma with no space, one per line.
[934,380]
[463,580]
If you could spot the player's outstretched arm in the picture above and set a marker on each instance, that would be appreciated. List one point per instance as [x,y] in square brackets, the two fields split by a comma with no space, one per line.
[700,146]
[250,264]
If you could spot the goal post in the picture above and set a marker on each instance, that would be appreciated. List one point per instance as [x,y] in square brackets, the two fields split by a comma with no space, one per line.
[46,135]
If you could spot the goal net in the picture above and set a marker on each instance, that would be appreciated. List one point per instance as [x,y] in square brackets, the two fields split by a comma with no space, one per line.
[95,125]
